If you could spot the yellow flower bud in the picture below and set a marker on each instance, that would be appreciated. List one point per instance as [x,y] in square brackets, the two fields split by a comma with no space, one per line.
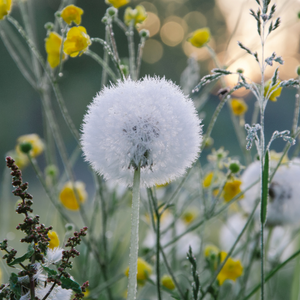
[231,189]
[208,179]
[53,46]
[117,3]
[200,37]
[168,282]
[68,197]
[238,106]
[138,15]
[5,8]
[72,13]
[189,216]
[274,92]
[143,270]
[77,41]
[35,141]
[211,250]
[54,240]
[231,270]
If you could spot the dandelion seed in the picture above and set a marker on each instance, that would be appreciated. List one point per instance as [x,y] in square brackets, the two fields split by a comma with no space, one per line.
[283,206]
[148,123]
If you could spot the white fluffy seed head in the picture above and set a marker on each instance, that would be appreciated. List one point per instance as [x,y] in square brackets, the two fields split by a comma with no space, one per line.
[284,190]
[150,123]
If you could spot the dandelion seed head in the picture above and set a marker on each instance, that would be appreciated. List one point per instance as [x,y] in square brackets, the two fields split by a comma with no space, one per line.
[150,123]
[284,204]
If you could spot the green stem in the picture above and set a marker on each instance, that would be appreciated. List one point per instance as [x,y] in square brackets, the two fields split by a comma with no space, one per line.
[102,63]
[52,80]
[139,56]
[130,35]
[271,274]
[134,239]
[105,58]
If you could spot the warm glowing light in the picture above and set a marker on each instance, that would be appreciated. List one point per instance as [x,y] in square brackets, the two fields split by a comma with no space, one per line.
[152,23]
[198,53]
[172,33]
[153,51]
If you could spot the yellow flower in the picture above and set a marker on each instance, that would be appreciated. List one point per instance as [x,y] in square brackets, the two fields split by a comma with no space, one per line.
[200,37]
[72,13]
[77,41]
[67,195]
[231,189]
[21,159]
[208,179]
[231,270]
[211,250]
[138,15]
[117,3]
[35,141]
[274,91]
[54,240]
[53,46]
[5,8]
[238,106]
[168,282]
[189,216]
[143,270]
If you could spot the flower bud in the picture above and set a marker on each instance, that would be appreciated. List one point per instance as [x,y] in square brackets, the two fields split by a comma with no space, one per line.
[298,70]
[112,12]
[49,26]
[234,167]
[25,147]
[144,33]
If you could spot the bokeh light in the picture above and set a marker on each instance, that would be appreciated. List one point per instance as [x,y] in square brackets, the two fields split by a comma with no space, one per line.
[153,51]
[152,23]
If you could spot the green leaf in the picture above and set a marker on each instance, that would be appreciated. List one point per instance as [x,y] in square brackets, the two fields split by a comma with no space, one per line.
[49,271]
[69,284]
[18,260]
[14,286]
[265,190]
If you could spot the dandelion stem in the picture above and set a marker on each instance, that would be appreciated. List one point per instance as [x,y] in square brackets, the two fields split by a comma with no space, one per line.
[130,35]
[134,239]
[105,58]
[139,57]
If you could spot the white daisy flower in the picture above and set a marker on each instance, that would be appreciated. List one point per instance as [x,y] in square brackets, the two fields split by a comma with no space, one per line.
[284,190]
[148,122]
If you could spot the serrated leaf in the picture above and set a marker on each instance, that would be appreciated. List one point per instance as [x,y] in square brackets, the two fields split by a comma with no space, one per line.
[265,190]
[14,286]
[18,260]
[49,271]
[69,284]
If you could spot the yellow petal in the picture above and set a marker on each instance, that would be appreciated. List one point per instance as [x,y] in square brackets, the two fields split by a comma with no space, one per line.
[5,8]
[68,197]
[200,37]
[72,13]
[54,240]
[238,106]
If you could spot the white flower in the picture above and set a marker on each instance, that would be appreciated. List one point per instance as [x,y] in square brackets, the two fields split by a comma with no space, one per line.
[148,122]
[284,191]
[53,255]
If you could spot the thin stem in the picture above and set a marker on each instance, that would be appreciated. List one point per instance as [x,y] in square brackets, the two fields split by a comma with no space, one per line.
[53,82]
[130,35]
[102,63]
[105,58]
[158,215]
[230,252]
[171,273]
[296,114]
[271,274]
[134,239]
[139,56]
